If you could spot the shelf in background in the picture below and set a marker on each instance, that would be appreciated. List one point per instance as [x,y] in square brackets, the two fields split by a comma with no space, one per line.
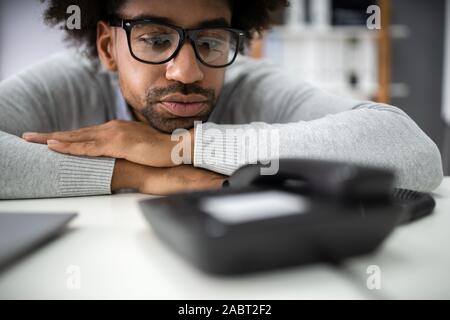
[334,32]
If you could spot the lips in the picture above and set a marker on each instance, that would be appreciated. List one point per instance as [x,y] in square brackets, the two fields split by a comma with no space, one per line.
[185,107]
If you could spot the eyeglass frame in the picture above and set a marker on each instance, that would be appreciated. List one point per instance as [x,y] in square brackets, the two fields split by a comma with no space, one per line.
[184,34]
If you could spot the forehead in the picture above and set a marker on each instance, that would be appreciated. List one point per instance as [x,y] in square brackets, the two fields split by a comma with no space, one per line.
[184,13]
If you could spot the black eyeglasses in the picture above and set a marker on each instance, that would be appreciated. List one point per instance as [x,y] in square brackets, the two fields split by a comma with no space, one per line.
[157,43]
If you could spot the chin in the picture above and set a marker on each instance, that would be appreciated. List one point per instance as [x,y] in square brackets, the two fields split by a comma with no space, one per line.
[170,125]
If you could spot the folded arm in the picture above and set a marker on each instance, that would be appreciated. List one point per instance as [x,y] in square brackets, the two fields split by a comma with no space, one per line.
[47,98]
[310,123]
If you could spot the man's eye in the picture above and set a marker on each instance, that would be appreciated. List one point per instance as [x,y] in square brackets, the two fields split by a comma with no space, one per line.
[210,44]
[156,41]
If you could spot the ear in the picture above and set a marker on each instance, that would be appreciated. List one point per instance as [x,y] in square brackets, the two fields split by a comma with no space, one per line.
[105,46]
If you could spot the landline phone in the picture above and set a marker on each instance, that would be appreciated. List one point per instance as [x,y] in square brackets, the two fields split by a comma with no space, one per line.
[310,211]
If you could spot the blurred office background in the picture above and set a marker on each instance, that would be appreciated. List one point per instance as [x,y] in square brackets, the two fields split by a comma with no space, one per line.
[326,42]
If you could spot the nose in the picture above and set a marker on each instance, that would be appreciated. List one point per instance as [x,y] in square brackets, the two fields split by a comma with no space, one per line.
[184,67]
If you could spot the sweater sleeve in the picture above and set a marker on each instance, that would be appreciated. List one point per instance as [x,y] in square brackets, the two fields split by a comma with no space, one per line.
[49,97]
[272,115]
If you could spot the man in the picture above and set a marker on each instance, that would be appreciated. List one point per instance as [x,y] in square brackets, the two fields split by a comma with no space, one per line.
[162,68]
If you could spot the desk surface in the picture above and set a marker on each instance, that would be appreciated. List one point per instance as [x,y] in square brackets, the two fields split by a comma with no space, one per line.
[110,252]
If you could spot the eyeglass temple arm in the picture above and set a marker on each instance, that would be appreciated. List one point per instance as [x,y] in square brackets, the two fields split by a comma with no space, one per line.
[115,22]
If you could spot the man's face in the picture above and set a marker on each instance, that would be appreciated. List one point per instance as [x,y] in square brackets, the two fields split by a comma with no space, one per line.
[175,94]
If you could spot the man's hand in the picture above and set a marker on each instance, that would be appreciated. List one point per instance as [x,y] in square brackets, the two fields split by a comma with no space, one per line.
[163,181]
[184,178]
[133,141]
[144,156]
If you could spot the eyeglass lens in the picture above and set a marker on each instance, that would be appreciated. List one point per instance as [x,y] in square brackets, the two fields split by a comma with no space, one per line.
[156,43]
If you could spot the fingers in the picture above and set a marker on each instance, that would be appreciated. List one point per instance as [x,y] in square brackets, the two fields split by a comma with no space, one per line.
[116,139]
[84,134]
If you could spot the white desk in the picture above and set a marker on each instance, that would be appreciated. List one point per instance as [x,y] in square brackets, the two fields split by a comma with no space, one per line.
[119,256]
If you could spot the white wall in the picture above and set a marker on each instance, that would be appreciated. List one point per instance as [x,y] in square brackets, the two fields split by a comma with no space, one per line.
[446,82]
[24,38]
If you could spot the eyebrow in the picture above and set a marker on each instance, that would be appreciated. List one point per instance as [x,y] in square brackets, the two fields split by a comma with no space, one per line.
[219,22]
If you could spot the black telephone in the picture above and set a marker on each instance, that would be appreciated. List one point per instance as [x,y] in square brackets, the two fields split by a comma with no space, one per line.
[310,211]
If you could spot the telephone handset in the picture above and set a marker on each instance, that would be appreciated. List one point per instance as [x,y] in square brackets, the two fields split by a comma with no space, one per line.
[309,211]
[337,180]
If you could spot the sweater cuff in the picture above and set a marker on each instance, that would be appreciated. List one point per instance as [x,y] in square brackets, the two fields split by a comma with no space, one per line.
[85,176]
[222,148]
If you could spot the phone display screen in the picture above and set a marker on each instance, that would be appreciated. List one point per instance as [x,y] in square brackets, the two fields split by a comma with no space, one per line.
[247,207]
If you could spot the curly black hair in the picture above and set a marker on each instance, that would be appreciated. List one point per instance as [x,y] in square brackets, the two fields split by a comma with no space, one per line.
[252,16]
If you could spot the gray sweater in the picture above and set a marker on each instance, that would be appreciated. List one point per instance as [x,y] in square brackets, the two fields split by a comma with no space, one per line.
[69,91]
